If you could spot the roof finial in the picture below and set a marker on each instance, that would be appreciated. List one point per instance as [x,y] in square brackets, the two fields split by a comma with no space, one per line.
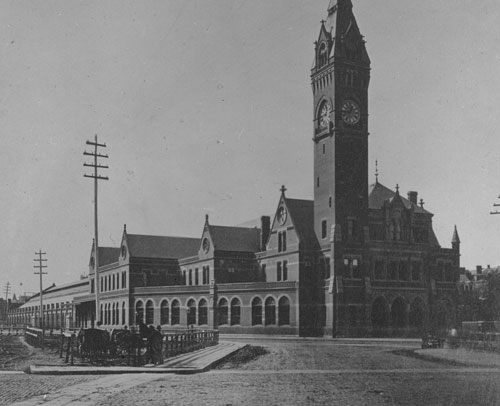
[323,22]
[283,190]
[124,228]
[397,189]
[206,218]
[376,171]
[422,203]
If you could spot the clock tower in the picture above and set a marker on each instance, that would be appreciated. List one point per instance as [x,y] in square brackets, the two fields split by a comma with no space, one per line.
[340,77]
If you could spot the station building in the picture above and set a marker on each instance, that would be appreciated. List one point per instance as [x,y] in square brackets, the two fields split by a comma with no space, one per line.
[356,260]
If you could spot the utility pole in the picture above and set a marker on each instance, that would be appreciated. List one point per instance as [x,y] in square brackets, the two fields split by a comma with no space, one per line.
[6,290]
[96,155]
[40,272]
[496,210]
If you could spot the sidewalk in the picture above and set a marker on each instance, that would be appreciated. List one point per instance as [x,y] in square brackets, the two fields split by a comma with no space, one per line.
[462,356]
[190,363]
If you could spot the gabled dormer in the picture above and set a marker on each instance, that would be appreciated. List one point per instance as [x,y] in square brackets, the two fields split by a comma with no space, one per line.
[292,226]
[124,251]
[107,256]
[206,244]
[396,218]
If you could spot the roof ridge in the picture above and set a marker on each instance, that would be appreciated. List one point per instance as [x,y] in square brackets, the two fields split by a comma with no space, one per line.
[160,236]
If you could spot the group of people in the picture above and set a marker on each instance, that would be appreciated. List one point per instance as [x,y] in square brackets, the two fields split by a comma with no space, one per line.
[154,339]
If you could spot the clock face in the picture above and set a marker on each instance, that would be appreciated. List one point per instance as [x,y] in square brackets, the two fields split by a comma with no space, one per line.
[350,112]
[282,214]
[206,245]
[325,116]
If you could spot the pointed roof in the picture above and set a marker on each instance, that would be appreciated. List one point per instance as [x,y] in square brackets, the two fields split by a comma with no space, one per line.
[108,255]
[240,239]
[379,194]
[455,239]
[152,246]
[302,215]
[339,23]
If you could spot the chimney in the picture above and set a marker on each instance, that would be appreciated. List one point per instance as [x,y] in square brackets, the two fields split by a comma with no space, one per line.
[265,230]
[479,269]
[413,197]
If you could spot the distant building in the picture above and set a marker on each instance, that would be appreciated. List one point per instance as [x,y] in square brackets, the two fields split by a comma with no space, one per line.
[354,260]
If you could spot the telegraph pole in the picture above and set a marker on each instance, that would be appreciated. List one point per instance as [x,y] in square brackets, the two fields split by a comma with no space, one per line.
[496,210]
[96,155]
[40,272]
[6,290]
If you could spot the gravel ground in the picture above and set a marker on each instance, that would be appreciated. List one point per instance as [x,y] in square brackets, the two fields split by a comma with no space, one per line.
[16,355]
[289,373]
[322,373]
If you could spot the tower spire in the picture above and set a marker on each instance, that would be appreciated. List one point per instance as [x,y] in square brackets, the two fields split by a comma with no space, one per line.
[455,240]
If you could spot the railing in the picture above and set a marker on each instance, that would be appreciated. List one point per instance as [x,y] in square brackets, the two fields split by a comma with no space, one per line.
[34,336]
[11,331]
[180,343]
[100,346]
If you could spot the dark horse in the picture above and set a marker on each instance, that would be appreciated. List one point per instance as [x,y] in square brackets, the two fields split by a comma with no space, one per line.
[94,344]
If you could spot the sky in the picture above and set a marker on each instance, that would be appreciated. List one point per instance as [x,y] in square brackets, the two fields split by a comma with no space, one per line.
[206,108]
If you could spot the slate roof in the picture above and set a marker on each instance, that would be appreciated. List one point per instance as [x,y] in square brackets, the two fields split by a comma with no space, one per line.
[302,215]
[238,239]
[151,246]
[379,194]
[108,255]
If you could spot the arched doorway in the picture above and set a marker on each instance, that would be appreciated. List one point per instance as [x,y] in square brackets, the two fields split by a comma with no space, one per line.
[379,317]
[191,316]
[283,311]
[150,312]
[417,317]
[398,316]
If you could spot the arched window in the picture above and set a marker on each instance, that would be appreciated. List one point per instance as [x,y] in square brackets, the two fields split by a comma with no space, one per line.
[176,313]
[223,312]
[202,312]
[124,319]
[191,309]
[102,313]
[322,55]
[113,286]
[284,311]
[164,312]
[256,312]
[113,315]
[235,311]
[139,312]
[190,277]
[150,312]
[270,311]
